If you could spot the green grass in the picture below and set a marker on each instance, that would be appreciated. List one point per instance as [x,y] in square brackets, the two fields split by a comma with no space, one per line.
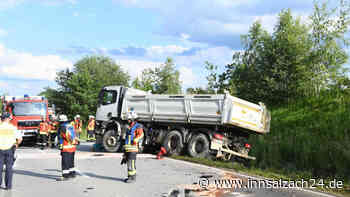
[267,173]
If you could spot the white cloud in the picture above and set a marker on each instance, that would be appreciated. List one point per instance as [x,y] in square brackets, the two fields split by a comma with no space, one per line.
[75,14]
[187,77]
[22,65]
[218,23]
[161,51]
[135,67]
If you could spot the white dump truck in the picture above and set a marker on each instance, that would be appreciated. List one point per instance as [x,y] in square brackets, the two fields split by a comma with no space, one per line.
[201,125]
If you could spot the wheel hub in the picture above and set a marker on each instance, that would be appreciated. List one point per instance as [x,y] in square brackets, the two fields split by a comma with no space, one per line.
[111,141]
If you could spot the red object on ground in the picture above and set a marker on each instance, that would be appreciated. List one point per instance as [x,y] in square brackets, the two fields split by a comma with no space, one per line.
[161,153]
[247,146]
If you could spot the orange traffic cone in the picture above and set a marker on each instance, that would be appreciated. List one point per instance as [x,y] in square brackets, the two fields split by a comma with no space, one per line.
[161,153]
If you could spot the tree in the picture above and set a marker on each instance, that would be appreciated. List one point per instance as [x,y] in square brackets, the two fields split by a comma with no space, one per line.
[78,89]
[297,59]
[160,80]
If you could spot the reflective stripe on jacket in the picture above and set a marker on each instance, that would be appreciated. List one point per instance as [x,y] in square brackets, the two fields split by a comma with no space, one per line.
[133,136]
[67,137]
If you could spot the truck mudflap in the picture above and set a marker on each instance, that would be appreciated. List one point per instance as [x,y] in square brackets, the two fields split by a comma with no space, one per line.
[224,152]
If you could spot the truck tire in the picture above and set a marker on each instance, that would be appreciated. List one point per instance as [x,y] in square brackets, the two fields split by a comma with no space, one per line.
[198,146]
[110,141]
[173,143]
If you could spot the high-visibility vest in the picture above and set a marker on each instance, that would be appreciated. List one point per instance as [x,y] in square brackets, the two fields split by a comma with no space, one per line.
[67,137]
[91,125]
[44,128]
[133,136]
[7,136]
[77,125]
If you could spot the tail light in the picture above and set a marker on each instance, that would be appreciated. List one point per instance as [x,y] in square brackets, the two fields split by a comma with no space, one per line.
[218,136]
[247,146]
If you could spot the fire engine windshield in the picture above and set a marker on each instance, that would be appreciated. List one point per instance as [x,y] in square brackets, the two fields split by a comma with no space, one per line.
[29,109]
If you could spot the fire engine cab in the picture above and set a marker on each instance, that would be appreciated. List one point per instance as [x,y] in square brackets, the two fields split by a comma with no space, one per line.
[26,113]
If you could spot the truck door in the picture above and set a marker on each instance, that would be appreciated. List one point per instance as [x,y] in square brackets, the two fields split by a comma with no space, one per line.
[107,105]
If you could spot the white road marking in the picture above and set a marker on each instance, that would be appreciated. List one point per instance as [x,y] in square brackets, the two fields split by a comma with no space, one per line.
[81,173]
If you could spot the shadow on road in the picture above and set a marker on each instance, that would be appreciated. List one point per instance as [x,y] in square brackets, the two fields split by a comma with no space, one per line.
[35,174]
[85,147]
[104,177]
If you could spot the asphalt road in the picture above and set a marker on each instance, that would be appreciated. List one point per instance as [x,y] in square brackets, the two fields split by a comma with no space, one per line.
[100,174]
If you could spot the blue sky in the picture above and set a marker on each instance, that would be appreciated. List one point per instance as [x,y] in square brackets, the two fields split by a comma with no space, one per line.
[40,37]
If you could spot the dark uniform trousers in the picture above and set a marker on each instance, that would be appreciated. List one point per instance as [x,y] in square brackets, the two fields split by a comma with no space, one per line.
[67,164]
[7,157]
[131,164]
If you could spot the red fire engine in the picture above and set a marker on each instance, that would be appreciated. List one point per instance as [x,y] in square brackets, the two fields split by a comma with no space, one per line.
[26,112]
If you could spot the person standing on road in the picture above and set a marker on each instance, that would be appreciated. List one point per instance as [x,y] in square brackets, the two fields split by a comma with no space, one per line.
[133,135]
[10,139]
[78,124]
[67,145]
[91,129]
[43,133]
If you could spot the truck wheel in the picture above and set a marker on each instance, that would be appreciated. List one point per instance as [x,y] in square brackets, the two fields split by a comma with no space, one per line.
[173,143]
[198,146]
[110,141]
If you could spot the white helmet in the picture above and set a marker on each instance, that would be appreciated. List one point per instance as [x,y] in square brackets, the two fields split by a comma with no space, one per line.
[77,116]
[91,116]
[131,115]
[62,118]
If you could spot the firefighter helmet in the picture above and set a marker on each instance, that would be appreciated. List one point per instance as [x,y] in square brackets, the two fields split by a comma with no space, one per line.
[62,118]
[131,115]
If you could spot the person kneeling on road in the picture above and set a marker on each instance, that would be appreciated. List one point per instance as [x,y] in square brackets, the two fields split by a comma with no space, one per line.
[10,139]
[133,135]
[67,145]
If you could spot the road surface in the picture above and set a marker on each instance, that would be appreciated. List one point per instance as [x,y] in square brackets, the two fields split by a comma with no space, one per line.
[100,174]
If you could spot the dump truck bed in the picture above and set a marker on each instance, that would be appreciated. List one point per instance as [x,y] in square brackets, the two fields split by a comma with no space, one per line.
[220,109]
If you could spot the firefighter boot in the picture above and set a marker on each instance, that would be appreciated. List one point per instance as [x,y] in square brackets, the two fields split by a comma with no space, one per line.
[131,179]
[72,174]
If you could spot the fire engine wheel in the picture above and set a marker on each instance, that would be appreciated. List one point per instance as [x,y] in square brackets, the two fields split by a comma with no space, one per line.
[173,143]
[110,141]
[198,146]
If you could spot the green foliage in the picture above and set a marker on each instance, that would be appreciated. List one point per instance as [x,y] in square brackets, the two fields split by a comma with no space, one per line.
[309,135]
[298,59]
[160,80]
[78,89]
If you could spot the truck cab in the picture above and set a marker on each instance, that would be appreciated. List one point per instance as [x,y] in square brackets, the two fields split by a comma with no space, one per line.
[26,112]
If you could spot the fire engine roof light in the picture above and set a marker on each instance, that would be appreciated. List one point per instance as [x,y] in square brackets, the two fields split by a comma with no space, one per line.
[26,96]
[13,98]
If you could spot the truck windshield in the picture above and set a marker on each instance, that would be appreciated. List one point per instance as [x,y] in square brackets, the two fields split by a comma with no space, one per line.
[29,109]
[107,97]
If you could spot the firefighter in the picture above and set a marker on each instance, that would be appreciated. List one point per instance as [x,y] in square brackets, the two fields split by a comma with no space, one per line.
[53,126]
[43,133]
[133,135]
[78,124]
[67,145]
[91,129]
[10,138]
